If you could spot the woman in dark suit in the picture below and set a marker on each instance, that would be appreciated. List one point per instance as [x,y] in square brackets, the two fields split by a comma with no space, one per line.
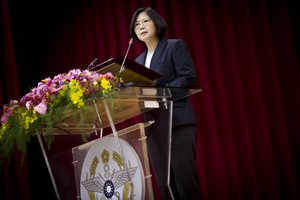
[171,59]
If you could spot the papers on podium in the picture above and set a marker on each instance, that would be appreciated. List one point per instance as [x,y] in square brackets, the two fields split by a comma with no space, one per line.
[133,74]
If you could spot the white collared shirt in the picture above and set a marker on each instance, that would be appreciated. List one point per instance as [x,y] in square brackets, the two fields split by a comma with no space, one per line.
[148,59]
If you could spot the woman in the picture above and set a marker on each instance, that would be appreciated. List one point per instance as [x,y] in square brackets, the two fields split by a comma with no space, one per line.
[171,59]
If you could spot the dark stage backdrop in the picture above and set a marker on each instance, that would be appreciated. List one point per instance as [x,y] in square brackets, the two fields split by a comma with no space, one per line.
[247,58]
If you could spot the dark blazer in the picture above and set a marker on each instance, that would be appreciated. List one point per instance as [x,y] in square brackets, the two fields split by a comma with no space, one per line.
[173,61]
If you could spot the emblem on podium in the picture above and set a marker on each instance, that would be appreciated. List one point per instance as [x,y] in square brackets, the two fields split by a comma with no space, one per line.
[104,175]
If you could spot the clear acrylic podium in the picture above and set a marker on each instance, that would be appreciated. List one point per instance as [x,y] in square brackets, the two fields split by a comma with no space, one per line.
[112,162]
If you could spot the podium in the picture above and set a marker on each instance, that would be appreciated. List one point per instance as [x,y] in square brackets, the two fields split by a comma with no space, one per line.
[100,151]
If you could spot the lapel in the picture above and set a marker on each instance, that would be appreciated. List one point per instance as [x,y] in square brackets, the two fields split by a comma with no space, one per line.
[157,53]
[142,58]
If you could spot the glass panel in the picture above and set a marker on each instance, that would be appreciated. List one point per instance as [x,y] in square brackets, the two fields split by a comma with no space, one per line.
[71,174]
[124,104]
[103,154]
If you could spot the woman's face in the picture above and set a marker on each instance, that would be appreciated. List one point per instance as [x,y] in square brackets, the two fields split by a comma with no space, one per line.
[145,28]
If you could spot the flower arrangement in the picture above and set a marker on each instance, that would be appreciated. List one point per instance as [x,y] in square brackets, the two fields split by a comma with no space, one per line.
[21,119]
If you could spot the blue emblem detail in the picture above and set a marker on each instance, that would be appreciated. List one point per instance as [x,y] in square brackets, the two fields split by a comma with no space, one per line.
[108,189]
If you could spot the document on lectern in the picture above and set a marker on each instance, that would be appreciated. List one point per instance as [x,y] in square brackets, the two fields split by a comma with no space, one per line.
[132,73]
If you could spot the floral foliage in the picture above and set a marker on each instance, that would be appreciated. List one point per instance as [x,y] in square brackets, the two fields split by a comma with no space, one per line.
[21,119]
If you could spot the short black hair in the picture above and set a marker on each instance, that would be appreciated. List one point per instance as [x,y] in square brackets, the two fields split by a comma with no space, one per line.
[160,23]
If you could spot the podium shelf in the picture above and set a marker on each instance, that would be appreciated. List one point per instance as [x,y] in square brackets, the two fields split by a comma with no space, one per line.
[123,104]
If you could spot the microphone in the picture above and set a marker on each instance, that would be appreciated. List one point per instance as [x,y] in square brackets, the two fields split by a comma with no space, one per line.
[92,64]
[122,66]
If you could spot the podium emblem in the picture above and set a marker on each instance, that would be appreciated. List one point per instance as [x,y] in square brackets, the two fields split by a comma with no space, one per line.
[104,176]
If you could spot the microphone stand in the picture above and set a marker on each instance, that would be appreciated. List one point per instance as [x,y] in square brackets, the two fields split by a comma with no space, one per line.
[92,64]
[121,84]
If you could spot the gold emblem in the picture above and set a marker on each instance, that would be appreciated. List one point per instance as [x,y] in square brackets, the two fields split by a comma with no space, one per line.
[110,181]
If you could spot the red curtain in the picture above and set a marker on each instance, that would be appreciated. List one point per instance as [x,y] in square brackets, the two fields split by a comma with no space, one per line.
[247,58]
[13,177]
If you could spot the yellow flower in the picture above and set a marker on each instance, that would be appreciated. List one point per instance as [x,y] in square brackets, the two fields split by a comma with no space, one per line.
[106,85]
[3,129]
[76,93]
[28,118]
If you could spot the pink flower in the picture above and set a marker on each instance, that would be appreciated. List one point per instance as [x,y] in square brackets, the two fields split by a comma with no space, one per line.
[41,108]
[28,104]
[6,115]
[8,110]
[109,76]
